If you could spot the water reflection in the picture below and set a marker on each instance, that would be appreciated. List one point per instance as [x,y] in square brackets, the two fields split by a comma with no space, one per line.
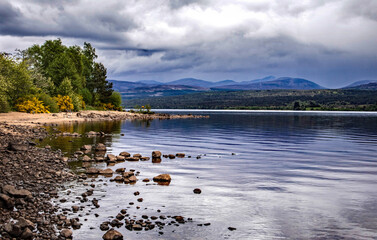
[293,175]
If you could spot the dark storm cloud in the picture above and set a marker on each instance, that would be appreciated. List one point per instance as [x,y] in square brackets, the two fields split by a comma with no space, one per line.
[329,41]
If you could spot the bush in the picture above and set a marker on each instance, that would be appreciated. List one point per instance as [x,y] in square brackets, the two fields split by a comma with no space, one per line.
[31,105]
[87,96]
[65,103]
[49,102]
[4,105]
[116,99]
[78,103]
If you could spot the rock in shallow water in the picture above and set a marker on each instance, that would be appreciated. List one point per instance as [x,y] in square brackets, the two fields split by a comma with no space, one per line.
[112,235]
[162,178]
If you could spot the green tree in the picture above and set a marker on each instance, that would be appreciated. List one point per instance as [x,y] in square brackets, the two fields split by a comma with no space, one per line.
[116,99]
[65,88]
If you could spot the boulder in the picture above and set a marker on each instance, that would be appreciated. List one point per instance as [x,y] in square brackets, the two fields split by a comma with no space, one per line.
[86,158]
[106,171]
[86,147]
[6,201]
[125,154]
[25,223]
[92,171]
[171,156]
[197,191]
[12,191]
[137,155]
[100,147]
[127,174]
[111,157]
[67,233]
[27,234]
[120,158]
[137,227]
[156,154]
[120,170]
[118,179]
[180,155]
[112,235]
[162,178]
[132,179]
[18,147]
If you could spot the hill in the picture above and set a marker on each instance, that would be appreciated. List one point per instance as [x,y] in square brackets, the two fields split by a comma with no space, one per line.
[368,86]
[280,83]
[359,83]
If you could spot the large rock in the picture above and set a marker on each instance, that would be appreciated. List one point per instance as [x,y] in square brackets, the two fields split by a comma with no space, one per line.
[111,158]
[133,159]
[106,171]
[6,201]
[25,223]
[92,171]
[156,154]
[180,155]
[12,191]
[67,233]
[121,158]
[18,147]
[100,147]
[27,234]
[112,235]
[86,147]
[137,155]
[162,178]
[125,154]
[132,179]
[127,174]
[86,159]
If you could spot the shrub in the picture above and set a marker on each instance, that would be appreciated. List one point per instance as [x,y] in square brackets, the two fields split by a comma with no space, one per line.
[115,99]
[4,105]
[31,105]
[78,103]
[86,95]
[65,103]
[49,102]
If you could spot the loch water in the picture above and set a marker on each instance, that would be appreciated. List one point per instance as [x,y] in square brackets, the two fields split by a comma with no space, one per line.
[270,175]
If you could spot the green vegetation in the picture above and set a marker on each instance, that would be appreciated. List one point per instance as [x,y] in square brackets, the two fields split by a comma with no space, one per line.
[142,109]
[324,99]
[36,79]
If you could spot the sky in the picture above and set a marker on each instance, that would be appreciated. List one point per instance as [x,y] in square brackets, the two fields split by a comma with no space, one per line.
[330,42]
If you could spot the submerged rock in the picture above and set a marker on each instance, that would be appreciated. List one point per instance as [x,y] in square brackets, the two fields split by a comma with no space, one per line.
[100,147]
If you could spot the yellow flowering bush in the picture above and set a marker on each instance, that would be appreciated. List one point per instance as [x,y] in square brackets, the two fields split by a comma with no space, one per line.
[107,106]
[31,105]
[65,103]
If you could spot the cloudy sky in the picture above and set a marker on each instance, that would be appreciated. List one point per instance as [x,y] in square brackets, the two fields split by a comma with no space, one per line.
[331,42]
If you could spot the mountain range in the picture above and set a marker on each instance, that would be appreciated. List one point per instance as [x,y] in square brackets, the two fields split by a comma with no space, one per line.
[153,88]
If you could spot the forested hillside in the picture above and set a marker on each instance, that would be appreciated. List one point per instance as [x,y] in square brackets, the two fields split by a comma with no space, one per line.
[323,99]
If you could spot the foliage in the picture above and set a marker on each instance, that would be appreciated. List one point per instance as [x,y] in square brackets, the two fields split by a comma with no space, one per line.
[115,99]
[31,105]
[86,95]
[143,109]
[65,87]
[324,99]
[49,102]
[78,103]
[4,105]
[65,103]
[15,80]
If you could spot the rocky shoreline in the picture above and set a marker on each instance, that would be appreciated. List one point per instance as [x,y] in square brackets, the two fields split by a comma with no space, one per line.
[31,177]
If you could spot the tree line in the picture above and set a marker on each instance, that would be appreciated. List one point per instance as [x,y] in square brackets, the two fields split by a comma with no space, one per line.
[53,77]
[324,99]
